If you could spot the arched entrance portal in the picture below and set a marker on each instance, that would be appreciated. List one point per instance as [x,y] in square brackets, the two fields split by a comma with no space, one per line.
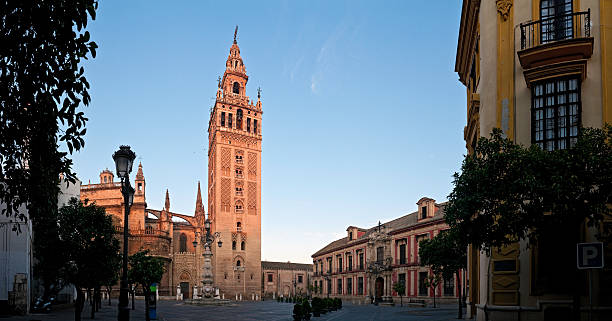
[185,290]
[380,285]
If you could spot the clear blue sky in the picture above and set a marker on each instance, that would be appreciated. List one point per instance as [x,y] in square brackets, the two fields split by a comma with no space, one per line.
[363,113]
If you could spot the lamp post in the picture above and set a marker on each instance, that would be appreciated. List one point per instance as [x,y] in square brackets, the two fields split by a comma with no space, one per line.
[124,159]
[207,239]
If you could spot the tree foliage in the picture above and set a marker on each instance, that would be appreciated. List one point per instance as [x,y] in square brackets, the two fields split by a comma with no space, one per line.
[400,288]
[145,270]
[92,250]
[445,254]
[42,84]
[507,192]
[432,281]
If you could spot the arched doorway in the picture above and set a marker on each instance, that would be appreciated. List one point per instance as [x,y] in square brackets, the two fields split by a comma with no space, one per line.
[185,290]
[379,286]
[184,279]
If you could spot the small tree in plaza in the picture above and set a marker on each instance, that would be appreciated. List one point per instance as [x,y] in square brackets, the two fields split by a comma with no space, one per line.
[145,270]
[87,234]
[400,288]
[432,282]
[446,255]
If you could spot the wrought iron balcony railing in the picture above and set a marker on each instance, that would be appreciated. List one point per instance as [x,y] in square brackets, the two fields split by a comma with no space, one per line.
[561,27]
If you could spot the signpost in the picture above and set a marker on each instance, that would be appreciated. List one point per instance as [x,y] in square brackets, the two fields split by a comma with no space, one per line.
[590,256]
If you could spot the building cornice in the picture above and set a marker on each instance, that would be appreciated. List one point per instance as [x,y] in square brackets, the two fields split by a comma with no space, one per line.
[467,38]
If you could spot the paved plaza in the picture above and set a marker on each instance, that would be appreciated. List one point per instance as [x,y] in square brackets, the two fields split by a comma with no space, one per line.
[266,310]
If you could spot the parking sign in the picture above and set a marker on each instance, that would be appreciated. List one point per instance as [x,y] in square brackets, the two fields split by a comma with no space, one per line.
[590,255]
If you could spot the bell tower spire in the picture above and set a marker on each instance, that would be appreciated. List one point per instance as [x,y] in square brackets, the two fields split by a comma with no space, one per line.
[234,178]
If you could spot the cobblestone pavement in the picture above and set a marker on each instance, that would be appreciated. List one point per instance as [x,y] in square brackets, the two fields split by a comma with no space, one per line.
[267,310]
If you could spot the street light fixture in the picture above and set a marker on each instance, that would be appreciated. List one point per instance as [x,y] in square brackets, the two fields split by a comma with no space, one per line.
[207,241]
[124,159]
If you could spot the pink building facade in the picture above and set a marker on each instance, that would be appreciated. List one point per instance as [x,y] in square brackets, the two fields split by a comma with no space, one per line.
[364,265]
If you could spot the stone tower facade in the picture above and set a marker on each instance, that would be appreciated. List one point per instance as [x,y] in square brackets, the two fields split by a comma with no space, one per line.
[234,182]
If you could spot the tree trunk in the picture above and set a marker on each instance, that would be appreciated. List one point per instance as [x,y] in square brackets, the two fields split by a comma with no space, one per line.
[460,310]
[109,289]
[434,293]
[92,303]
[401,303]
[98,299]
[146,294]
[78,304]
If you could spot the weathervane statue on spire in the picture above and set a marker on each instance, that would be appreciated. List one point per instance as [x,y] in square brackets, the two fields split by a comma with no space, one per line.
[235,33]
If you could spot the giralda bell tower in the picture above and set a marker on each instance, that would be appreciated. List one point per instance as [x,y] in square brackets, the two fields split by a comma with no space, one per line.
[234,182]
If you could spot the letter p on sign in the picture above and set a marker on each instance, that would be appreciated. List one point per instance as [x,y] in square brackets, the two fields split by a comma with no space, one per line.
[590,255]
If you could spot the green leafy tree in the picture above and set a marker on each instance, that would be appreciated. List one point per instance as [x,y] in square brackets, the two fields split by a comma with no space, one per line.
[42,85]
[432,282]
[87,234]
[145,270]
[445,254]
[400,288]
[111,276]
[507,192]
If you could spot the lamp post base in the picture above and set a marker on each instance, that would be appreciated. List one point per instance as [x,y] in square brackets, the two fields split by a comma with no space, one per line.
[124,309]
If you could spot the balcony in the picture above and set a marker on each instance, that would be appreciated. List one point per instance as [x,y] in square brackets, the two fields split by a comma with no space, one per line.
[556,45]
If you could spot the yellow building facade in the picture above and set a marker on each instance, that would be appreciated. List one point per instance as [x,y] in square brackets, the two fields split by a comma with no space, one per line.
[539,70]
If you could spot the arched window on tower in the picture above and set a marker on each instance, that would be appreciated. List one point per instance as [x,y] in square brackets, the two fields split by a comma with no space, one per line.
[236,88]
[239,119]
[242,246]
[239,206]
[233,245]
[183,243]
[238,227]
[238,263]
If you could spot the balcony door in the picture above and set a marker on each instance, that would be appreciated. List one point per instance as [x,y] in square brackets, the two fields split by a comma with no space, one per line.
[556,17]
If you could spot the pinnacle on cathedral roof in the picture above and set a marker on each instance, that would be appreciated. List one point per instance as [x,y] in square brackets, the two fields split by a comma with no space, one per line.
[199,209]
[167,205]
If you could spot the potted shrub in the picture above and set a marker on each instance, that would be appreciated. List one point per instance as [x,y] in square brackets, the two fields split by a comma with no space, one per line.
[306,310]
[337,303]
[297,312]
[316,307]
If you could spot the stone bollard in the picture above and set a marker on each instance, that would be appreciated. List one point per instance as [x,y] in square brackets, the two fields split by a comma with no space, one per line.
[252,297]
[274,295]
[236,296]
[223,296]
[256,297]
[240,296]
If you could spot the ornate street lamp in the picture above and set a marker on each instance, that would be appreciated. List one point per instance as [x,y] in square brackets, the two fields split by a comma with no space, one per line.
[124,159]
[206,240]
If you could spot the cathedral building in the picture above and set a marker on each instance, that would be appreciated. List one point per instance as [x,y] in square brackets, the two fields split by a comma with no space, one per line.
[167,235]
[234,202]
